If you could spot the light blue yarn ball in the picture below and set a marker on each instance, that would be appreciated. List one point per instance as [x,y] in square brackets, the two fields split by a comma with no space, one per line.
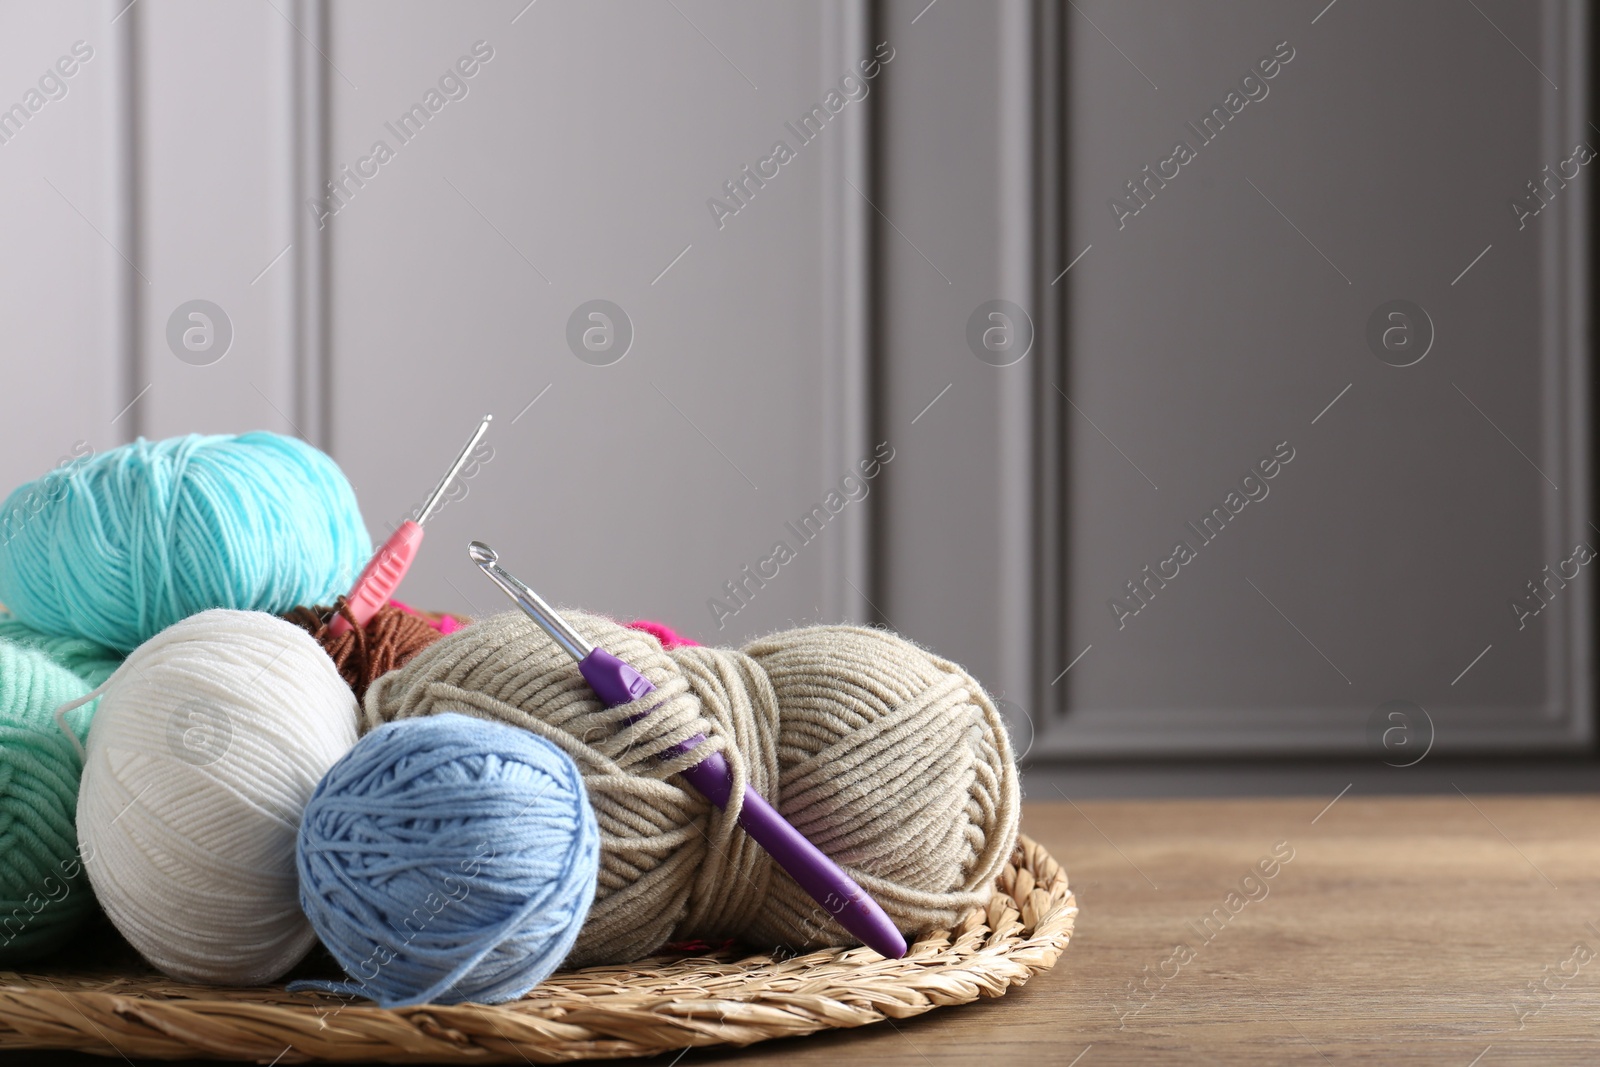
[448,859]
[122,545]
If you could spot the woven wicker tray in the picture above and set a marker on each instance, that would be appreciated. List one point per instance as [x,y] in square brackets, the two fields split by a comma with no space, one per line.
[656,1005]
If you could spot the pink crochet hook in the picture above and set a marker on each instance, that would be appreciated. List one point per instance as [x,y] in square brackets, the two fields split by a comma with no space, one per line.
[614,682]
[388,566]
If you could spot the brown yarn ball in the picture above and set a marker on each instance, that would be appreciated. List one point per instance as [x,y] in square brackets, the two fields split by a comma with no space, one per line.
[890,759]
[388,642]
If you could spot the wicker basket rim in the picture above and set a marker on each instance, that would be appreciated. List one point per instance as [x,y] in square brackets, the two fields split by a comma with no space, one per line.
[658,1005]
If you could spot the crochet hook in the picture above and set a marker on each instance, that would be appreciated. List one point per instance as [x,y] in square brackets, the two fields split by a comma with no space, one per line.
[388,566]
[615,682]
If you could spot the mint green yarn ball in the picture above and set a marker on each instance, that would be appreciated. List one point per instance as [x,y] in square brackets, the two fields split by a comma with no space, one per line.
[89,661]
[116,547]
[44,893]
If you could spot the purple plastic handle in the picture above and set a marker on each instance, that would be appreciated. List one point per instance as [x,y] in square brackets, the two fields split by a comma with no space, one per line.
[614,682]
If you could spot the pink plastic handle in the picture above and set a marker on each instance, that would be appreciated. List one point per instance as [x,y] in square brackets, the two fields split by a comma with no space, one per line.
[381,577]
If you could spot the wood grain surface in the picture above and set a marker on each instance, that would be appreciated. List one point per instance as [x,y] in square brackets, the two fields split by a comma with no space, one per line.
[1402,931]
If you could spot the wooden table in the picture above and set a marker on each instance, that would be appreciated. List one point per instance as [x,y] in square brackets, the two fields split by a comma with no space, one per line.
[1402,931]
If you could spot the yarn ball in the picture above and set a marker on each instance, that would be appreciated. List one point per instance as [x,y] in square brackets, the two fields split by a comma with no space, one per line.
[444,623]
[128,542]
[891,760]
[448,859]
[668,637]
[43,893]
[89,661]
[209,741]
[389,640]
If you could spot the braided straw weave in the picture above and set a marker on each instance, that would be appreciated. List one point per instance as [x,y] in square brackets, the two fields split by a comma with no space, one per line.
[657,1005]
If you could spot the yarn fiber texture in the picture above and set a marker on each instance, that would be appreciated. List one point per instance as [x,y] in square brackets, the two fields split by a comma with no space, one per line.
[44,895]
[441,621]
[389,640]
[208,743]
[89,661]
[134,539]
[448,859]
[891,760]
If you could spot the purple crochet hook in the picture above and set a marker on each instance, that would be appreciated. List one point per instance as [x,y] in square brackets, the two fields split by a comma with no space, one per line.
[614,682]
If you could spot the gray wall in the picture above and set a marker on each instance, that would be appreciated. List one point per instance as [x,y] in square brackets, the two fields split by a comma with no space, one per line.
[774,349]
[63,297]
[1221,320]
[577,165]
[1229,312]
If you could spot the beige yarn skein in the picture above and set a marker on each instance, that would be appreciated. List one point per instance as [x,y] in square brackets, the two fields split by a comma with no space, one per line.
[891,760]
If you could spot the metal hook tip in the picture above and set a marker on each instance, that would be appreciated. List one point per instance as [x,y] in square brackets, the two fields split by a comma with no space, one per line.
[482,554]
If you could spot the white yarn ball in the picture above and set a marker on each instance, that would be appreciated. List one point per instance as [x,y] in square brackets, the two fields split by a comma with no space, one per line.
[207,746]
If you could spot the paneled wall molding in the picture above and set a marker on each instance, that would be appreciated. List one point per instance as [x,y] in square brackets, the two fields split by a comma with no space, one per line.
[1038,598]
[945,187]
[847,286]
[222,142]
[125,282]
[1018,238]
[959,153]
[973,543]
[308,169]
[1563,720]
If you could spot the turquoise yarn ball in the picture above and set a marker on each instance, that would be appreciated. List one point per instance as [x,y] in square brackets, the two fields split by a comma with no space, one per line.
[44,894]
[89,661]
[122,545]
[447,859]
